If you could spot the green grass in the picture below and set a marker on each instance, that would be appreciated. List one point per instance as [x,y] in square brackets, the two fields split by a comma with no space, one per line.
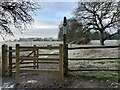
[100,76]
[112,76]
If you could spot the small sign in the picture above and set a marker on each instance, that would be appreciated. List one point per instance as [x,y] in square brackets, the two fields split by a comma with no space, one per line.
[64,29]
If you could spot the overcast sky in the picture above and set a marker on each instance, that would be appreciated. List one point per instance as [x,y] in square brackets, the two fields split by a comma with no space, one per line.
[47,20]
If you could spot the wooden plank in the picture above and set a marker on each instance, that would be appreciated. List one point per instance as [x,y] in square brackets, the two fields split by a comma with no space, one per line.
[17,74]
[27,49]
[35,58]
[93,59]
[27,57]
[10,62]
[47,62]
[93,47]
[28,66]
[24,63]
[4,60]
[48,47]
[93,69]
[48,55]
[44,70]
[30,53]
[40,47]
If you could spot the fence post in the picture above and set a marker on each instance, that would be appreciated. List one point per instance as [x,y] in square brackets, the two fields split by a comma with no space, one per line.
[17,74]
[10,61]
[119,59]
[66,59]
[61,69]
[4,60]
[37,60]
[119,67]
[65,47]
[34,56]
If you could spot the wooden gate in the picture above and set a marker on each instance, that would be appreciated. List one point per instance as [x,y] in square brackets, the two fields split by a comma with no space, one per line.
[31,60]
[36,60]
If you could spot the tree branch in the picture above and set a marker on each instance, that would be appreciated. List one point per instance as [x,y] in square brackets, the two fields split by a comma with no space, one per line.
[16,13]
[111,35]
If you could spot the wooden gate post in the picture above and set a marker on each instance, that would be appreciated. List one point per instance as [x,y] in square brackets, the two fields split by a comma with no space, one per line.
[66,59]
[35,54]
[119,67]
[17,74]
[119,59]
[37,59]
[4,60]
[65,47]
[10,60]
[61,69]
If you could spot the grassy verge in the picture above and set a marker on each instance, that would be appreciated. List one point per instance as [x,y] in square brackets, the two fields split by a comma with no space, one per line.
[111,77]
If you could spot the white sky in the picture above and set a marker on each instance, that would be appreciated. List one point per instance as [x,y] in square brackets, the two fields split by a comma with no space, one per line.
[47,20]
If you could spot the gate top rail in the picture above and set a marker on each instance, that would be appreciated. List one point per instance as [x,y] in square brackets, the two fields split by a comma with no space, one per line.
[93,47]
[40,47]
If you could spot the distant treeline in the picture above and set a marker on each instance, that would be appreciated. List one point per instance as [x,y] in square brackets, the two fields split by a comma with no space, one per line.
[36,39]
[77,38]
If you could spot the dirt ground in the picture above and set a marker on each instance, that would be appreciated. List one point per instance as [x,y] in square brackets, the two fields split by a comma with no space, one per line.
[82,83]
[33,80]
[41,81]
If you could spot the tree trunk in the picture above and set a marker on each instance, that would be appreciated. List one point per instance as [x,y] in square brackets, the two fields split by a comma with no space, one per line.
[102,37]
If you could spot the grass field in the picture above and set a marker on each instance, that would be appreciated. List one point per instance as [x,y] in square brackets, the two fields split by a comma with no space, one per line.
[106,76]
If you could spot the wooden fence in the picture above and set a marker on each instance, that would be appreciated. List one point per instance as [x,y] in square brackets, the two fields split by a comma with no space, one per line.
[66,58]
[101,58]
[32,58]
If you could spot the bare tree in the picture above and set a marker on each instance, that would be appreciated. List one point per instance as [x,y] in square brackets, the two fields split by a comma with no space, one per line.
[17,14]
[99,16]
